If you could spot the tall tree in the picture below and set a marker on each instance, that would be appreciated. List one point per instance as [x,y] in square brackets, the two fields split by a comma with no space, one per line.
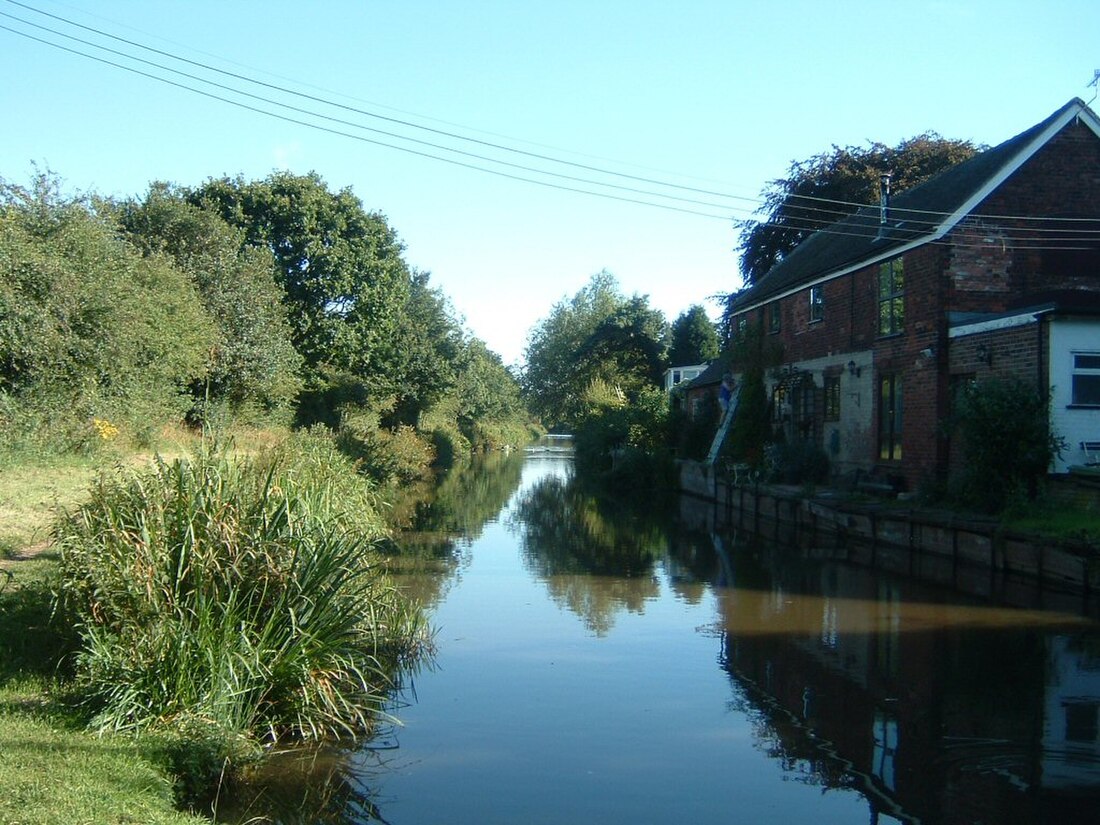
[597,336]
[253,362]
[828,186]
[694,338]
[340,266]
[549,377]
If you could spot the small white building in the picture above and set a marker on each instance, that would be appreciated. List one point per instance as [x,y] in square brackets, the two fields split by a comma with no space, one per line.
[677,375]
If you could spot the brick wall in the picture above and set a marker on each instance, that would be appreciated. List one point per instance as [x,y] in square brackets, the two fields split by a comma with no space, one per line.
[998,256]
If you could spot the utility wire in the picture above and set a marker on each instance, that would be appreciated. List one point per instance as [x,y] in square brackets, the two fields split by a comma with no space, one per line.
[342,122]
[808,223]
[364,112]
[361,138]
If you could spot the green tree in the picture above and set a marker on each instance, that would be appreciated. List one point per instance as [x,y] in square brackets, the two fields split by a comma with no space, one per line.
[341,267]
[597,336]
[254,362]
[549,378]
[694,338]
[425,351]
[627,349]
[826,187]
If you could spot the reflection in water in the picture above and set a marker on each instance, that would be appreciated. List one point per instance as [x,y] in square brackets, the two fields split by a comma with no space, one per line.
[322,786]
[938,712]
[596,559]
[437,522]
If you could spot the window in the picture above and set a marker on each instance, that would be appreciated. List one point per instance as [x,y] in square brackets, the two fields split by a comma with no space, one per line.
[817,303]
[1086,379]
[832,398]
[774,318]
[780,408]
[889,418]
[891,297]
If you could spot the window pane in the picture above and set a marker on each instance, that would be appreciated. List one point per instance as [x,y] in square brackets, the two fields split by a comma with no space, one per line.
[1086,362]
[1086,389]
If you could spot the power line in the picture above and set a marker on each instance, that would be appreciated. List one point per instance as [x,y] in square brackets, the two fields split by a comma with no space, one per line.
[343,122]
[364,112]
[361,138]
[807,223]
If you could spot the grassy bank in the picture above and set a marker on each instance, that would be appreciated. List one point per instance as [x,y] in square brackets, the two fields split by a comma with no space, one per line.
[210,606]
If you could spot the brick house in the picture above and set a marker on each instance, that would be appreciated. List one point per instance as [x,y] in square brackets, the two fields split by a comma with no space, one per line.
[992,268]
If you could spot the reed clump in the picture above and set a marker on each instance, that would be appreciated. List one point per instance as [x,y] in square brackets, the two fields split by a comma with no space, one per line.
[235,596]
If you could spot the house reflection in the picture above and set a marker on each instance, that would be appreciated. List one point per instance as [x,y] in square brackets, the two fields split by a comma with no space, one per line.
[937,712]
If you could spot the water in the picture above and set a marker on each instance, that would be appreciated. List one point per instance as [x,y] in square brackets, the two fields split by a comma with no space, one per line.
[600,666]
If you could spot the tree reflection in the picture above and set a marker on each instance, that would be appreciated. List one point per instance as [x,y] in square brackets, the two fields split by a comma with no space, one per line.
[436,522]
[596,557]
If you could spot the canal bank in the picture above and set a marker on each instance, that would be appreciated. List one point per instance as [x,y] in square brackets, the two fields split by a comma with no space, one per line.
[973,554]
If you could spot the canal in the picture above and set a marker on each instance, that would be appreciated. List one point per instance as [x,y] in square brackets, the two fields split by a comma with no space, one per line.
[603,664]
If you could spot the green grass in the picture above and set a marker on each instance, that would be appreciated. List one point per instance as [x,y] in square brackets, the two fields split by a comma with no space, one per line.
[1059,523]
[31,490]
[50,773]
[52,769]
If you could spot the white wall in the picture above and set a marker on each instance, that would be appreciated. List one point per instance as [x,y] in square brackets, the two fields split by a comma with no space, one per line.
[1075,426]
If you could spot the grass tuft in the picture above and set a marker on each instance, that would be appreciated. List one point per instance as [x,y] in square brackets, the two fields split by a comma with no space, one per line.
[239,596]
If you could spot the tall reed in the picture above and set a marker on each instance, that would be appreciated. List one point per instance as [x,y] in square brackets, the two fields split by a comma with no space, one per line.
[236,593]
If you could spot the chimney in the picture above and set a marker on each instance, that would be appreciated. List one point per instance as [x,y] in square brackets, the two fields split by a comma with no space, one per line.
[884,199]
[883,205]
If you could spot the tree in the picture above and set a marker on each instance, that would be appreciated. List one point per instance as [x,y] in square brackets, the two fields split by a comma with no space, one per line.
[828,186]
[626,349]
[597,336]
[253,361]
[694,338]
[549,377]
[340,266]
[425,351]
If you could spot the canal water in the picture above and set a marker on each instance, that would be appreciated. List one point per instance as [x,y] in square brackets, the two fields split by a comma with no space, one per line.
[608,664]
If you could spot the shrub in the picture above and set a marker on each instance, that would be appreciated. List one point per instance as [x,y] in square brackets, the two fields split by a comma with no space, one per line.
[1006,438]
[235,596]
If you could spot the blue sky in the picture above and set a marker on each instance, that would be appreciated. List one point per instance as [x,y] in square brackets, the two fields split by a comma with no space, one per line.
[719,96]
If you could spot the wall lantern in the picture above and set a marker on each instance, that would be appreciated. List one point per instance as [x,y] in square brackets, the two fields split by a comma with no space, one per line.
[985,355]
[853,370]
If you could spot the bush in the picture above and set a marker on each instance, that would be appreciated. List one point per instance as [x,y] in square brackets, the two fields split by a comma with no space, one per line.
[693,436]
[235,596]
[88,327]
[1006,438]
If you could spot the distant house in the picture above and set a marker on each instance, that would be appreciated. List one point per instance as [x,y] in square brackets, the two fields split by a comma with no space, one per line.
[678,375]
[990,269]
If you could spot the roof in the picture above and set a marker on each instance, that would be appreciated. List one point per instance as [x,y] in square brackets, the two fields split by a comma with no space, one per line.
[712,375]
[924,213]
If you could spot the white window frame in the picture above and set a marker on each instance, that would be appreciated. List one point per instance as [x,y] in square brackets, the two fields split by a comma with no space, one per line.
[817,303]
[1083,371]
